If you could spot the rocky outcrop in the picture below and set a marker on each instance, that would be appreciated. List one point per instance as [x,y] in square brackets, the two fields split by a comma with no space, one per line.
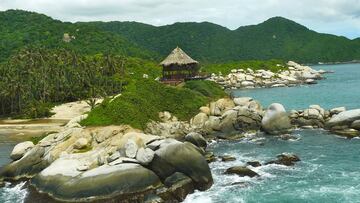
[168,126]
[313,117]
[276,120]
[20,149]
[293,75]
[346,123]
[113,162]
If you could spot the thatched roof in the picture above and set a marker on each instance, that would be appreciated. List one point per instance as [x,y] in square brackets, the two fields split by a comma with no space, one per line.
[178,57]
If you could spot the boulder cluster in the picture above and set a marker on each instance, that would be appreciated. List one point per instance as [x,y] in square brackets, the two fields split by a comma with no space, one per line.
[113,162]
[165,162]
[294,74]
[337,120]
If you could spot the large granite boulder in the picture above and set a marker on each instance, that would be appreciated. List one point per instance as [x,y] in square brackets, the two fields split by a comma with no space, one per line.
[174,156]
[228,120]
[276,121]
[29,165]
[199,120]
[20,149]
[344,118]
[125,181]
[248,118]
[196,139]
[219,107]
[212,124]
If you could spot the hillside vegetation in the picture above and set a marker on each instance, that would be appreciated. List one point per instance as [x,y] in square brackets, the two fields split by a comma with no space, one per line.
[276,38]
[35,79]
[144,99]
[20,29]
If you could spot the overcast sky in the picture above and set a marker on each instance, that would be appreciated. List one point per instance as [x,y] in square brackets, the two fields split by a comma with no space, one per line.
[340,17]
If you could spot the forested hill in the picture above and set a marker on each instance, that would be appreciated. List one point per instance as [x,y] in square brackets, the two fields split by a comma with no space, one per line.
[276,38]
[21,28]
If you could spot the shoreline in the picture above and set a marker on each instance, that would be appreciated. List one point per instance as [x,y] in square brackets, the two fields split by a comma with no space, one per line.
[233,119]
[294,74]
[332,63]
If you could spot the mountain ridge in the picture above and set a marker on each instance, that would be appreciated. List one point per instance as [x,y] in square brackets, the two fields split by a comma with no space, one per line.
[275,38]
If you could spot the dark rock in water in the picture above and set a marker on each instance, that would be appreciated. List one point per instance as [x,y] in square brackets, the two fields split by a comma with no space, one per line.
[227,158]
[348,133]
[285,159]
[196,139]
[288,137]
[210,157]
[179,186]
[253,163]
[241,171]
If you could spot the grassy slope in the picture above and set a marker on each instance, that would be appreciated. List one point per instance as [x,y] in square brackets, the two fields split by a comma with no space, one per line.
[144,99]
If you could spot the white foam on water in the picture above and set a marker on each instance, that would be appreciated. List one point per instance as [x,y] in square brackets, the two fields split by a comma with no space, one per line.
[15,194]
[198,197]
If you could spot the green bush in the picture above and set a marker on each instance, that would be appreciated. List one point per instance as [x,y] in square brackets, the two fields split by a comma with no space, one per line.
[207,88]
[142,101]
[38,110]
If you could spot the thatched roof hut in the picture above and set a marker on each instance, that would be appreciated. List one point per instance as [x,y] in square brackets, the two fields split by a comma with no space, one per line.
[178,57]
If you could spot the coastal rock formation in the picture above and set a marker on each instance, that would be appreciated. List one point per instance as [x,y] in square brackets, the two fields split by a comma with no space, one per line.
[276,120]
[113,162]
[295,74]
[169,127]
[116,181]
[344,118]
[345,123]
[20,149]
[313,117]
[196,139]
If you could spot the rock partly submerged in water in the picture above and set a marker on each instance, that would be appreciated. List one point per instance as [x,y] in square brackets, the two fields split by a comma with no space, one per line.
[285,159]
[227,158]
[241,171]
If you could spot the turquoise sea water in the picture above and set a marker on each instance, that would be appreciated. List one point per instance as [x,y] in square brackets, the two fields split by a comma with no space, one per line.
[341,88]
[329,171]
[330,167]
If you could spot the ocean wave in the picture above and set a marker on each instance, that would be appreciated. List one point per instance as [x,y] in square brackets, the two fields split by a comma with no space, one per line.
[13,194]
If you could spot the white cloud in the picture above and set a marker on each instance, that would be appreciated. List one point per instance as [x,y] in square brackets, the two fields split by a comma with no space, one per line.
[334,16]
